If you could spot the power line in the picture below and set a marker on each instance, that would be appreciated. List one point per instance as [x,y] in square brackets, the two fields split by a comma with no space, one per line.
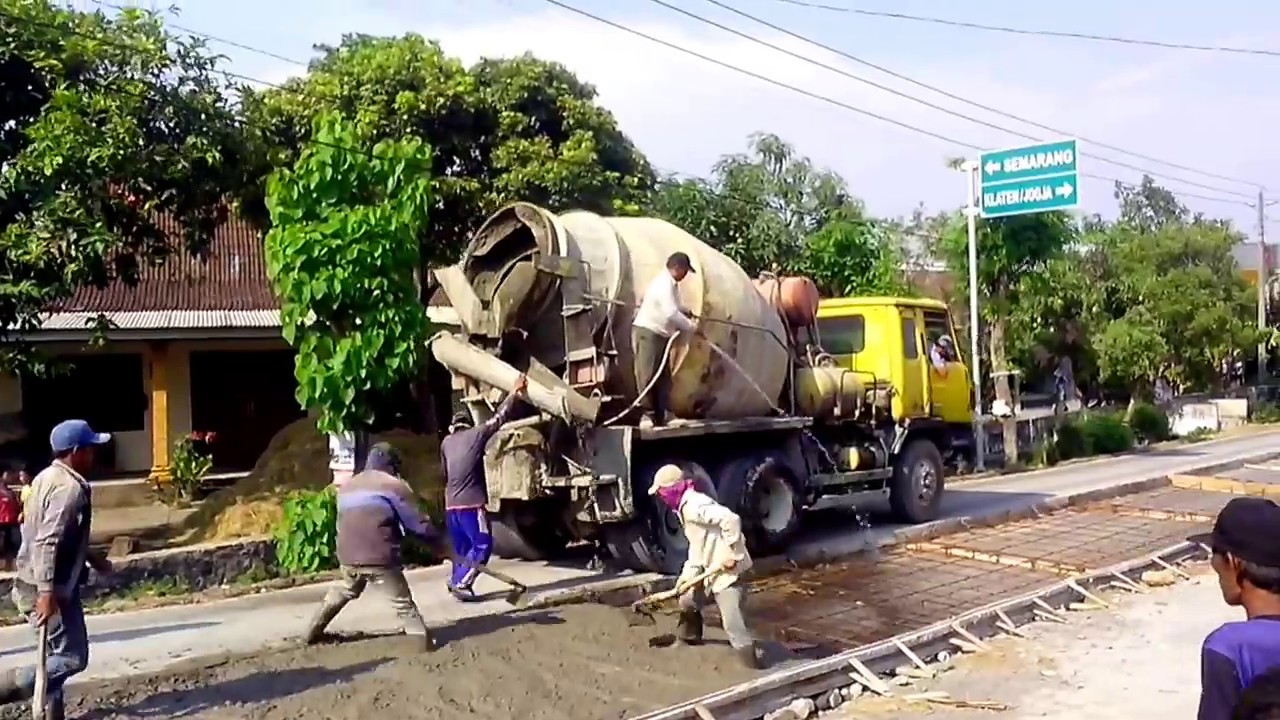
[764,78]
[1036,32]
[824,98]
[962,99]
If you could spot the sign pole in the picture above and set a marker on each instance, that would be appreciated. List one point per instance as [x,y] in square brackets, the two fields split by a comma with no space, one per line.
[1262,285]
[971,169]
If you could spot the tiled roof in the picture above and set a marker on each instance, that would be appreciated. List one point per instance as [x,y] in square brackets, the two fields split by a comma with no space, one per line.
[232,278]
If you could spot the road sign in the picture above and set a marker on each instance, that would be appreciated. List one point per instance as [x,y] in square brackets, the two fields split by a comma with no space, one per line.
[1031,179]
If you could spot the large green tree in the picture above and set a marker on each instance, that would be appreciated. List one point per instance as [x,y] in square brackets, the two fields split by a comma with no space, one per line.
[772,209]
[503,130]
[106,126]
[342,253]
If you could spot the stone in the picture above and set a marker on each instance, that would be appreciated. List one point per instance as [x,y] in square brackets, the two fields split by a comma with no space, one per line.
[851,692]
[121,545]
[1159,578]
[802,707]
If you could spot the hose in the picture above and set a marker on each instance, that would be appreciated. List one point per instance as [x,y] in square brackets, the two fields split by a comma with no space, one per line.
[666,356]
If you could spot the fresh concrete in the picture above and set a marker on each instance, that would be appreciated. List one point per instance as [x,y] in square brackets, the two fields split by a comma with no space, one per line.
[149,640]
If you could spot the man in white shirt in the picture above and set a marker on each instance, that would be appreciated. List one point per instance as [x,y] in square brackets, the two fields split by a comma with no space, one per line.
[715,540]
[659,317]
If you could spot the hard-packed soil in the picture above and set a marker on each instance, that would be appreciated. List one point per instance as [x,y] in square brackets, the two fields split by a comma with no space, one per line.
[581,662]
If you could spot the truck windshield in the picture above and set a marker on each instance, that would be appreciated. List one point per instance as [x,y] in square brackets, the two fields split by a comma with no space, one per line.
[843,335]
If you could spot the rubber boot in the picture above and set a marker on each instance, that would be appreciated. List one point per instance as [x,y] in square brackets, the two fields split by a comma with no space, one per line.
[325,615]
[56,708]
[749,657]
[689,627]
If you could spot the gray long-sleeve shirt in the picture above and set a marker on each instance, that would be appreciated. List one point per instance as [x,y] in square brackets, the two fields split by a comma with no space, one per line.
[55,531]
[462,454]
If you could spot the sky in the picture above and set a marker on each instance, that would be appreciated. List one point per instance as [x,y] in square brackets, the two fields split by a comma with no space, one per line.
[1212,112]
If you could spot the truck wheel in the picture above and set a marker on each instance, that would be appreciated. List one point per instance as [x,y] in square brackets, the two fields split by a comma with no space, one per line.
[654,540]
[915,491]
[765,493]
[516,540]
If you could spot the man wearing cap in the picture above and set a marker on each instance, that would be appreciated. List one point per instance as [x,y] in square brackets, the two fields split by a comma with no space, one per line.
[1246,557]
[715,540]
[659,316]
[376,509]
[466,493]
[52,562]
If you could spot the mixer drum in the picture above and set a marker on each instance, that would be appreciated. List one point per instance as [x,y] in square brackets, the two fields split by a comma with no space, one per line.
[796,298]
[543,272]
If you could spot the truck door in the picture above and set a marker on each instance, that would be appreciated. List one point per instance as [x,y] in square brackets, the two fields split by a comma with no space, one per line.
[949,387]
[913,386]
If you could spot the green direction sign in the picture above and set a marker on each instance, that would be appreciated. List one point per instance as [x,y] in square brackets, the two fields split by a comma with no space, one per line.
[1031,179]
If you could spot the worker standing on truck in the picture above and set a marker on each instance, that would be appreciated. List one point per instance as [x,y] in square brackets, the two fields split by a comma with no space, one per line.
[715,540]
[660,316]
[376,509]
[466,493]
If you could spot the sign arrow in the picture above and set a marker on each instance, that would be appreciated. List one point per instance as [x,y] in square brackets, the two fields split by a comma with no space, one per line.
[992,167]
[1064,190]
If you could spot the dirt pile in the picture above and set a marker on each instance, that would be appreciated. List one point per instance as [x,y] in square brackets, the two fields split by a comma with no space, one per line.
[575,663]
[297,458]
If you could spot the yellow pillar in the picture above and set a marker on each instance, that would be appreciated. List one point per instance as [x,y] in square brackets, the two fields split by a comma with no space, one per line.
[159,404]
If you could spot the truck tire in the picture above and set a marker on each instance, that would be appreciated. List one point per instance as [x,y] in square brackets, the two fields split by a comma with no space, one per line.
[915,491]
[766,494]
[516,540]
[653,541]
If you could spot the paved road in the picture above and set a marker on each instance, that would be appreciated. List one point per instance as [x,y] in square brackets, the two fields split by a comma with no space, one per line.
[148,640]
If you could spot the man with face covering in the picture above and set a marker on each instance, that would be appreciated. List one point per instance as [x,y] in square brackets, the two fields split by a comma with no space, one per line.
[376,509]
[1246,557]
[715,540]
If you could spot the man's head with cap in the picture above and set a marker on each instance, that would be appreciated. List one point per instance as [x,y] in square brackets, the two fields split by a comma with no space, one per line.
[461,420]
[73,443]
[679,265]
[669,485]
[1246,550]
[383,457]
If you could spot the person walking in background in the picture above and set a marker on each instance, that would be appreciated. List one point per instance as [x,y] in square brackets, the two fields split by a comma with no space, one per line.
[466,493]
[659,316]
[715,540]
[10,520]
[53,560]
[1246,557]
[376,510]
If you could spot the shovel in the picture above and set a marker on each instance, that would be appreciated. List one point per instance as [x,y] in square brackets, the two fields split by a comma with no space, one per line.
[39,698]
[643,608]
[514,596]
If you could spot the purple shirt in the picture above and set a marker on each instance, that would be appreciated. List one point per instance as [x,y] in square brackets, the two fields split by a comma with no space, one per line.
[1232,656]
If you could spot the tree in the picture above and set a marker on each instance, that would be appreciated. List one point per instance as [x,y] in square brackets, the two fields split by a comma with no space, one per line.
[853,257]
[503,130]
[341,253]
[1008,249]
[107,125]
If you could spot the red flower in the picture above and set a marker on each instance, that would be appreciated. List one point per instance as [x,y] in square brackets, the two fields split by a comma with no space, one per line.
[210,436]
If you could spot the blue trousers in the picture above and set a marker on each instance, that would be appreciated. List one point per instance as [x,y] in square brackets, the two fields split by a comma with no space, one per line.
[471,539]
[68,643]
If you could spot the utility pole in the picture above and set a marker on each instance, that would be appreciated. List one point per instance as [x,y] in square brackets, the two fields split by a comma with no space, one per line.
[1262,285]
[971,210]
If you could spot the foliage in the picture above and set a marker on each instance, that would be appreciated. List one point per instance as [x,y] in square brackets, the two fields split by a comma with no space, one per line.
[342,254]
[853,257]
[1106,434]
[1071,442]
[108,126]
[1149,423]
[307,534]
[1265,412]
[500,131]
[190,464]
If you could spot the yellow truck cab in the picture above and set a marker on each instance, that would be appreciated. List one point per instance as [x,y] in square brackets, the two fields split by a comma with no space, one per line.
[893,338]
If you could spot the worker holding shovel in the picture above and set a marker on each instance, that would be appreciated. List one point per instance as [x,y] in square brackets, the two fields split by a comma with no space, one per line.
[716,543]
[376,509]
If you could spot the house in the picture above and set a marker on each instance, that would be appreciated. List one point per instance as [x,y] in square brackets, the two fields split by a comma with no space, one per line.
[195,345]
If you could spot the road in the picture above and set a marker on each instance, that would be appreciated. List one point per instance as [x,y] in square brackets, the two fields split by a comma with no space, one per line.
[149,640]
[1139,660]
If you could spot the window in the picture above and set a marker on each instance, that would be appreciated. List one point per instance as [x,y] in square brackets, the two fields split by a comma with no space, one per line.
[910,347]
[107,390]
[936,324]
[843,335]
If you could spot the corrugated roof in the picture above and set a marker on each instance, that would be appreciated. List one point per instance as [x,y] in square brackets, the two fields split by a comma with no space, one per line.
[232,277]
[165,320]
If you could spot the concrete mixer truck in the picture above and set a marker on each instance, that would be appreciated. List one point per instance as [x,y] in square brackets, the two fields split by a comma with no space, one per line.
[780,402]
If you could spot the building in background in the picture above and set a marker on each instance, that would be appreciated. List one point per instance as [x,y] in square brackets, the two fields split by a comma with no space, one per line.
[195,345]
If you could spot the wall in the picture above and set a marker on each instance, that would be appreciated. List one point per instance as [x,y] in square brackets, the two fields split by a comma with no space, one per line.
[134,449]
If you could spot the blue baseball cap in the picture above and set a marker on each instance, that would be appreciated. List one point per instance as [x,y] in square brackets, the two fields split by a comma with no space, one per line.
[71,434]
